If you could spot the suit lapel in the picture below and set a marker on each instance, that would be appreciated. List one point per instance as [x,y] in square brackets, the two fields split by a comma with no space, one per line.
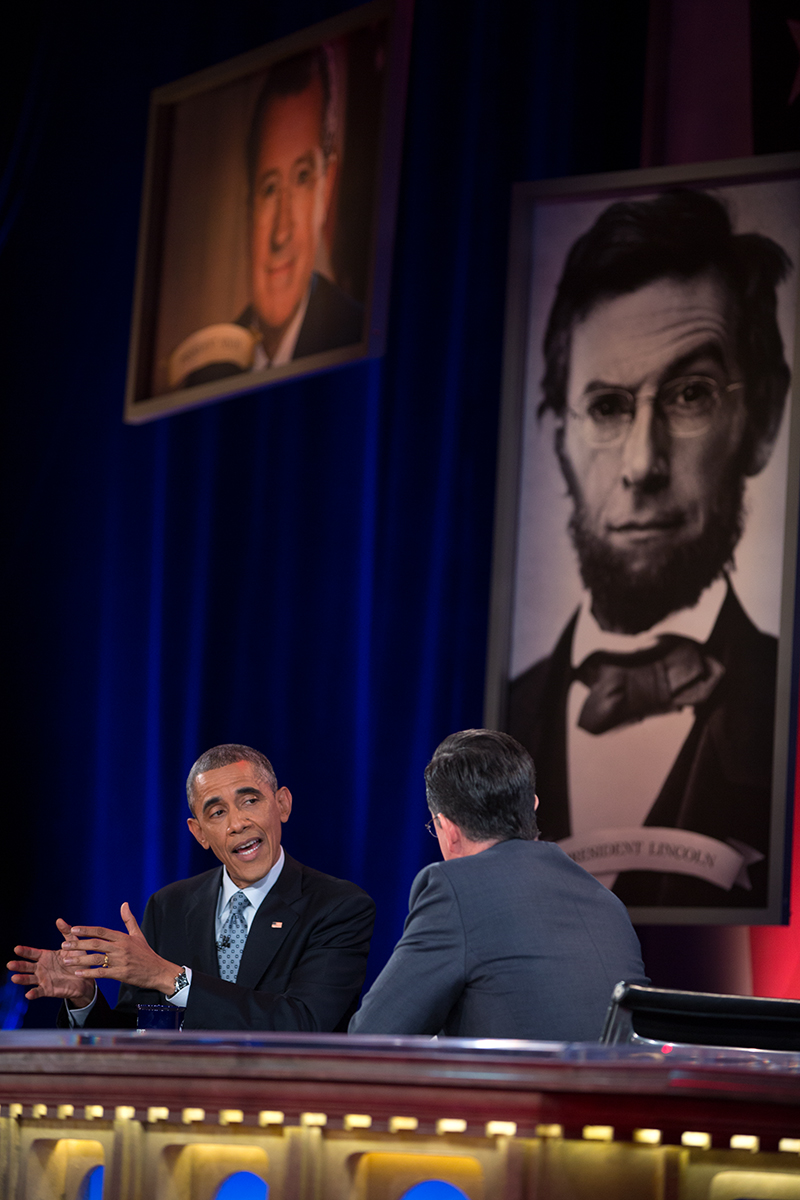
[683,802]
[708,789]
[271,925]
[200,931]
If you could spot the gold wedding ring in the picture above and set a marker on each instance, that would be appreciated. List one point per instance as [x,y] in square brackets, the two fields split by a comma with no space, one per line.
[105,961]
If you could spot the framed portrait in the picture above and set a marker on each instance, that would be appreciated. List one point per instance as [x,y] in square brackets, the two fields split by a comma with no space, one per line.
[642,630]
[268,213]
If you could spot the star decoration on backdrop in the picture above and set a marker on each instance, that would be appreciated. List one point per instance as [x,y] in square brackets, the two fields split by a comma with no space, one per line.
[794,30]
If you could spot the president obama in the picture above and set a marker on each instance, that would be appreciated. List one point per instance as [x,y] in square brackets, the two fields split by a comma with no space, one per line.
[261,942]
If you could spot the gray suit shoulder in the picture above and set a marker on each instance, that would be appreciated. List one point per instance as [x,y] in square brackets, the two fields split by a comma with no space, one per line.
[547,871]
[513,849]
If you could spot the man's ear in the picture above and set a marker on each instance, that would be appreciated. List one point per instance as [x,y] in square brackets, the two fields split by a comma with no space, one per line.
[283,798]
[197,832]
[535,803]
[452,835]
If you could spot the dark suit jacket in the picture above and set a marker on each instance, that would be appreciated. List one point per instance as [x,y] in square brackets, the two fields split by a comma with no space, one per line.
[721,782]
[333,319]
[514,942]
[304,975]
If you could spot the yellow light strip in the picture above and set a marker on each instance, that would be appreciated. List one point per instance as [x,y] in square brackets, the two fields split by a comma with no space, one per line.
[269,1117]
[156,1113]
[789,1145]
[39,1110]
[93,1112]
[124,1112]
[231,1116]
[65,1110]
[700,1141]
[190,1115]
[598,1133]
[357,1121]
[501,1128]
[648,1137]
[745,1141]
[549,1131]
[312,1119]
[451,1125]
[403,1124]
[15,1110]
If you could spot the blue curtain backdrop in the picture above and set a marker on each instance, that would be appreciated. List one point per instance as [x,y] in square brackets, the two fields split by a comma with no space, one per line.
[307,568]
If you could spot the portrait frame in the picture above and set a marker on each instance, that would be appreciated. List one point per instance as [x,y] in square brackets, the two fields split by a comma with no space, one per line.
[524,617]
[193,268]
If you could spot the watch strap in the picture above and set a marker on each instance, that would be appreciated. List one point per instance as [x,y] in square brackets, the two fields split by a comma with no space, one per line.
[181,981]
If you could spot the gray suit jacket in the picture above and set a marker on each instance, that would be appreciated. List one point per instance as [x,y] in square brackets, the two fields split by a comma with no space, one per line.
[514,942]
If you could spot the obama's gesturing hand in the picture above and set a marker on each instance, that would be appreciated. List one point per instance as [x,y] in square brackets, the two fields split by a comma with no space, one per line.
[49,973]
[97,953]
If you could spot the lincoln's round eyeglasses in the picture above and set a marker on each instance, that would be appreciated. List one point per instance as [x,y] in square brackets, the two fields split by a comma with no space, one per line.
[688,406]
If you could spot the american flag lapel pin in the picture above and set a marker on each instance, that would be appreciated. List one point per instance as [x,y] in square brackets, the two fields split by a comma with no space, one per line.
[277,924]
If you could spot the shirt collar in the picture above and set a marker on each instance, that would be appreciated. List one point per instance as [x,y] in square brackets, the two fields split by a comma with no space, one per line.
[255,892]
[287,343]
[695,623]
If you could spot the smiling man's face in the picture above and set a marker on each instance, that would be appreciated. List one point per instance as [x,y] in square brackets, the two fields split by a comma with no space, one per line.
[653,505]
[291,193]
[239,817]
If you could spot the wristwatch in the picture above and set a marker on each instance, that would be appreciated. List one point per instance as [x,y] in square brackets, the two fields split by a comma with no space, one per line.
[181,981]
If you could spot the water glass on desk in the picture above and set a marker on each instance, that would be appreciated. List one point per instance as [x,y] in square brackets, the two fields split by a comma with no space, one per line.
[158,1016]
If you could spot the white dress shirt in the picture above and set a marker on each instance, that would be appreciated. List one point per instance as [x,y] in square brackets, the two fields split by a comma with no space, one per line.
[286,346]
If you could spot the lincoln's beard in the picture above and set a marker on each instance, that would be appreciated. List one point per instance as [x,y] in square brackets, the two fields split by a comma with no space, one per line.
[628,598]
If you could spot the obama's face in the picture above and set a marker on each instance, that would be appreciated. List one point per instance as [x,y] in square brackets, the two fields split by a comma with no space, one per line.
[651,447]
[237,814]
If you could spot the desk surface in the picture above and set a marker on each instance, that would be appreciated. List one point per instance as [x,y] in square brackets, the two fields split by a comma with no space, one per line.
[531,1083]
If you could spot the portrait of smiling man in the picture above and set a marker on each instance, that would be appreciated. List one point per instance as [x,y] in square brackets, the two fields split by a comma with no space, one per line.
[665,379]
[296,309]
[292,166]
[261,942]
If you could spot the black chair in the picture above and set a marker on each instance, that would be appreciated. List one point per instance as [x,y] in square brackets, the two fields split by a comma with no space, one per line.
[701,1019]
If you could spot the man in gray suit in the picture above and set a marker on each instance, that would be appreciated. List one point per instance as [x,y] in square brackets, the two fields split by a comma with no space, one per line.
[508,937]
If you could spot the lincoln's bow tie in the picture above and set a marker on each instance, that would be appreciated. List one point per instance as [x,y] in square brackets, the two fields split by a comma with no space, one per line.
[624,688]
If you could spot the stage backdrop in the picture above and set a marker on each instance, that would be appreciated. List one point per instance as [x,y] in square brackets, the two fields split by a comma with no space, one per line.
[307,568]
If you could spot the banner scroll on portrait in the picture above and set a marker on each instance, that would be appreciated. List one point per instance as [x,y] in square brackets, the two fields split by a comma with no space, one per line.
[605,852]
